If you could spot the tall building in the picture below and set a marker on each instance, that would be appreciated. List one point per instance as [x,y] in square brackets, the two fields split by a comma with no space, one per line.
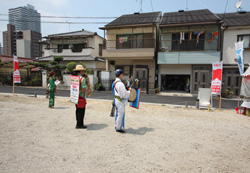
[25,18]
[23,43]
[9,40]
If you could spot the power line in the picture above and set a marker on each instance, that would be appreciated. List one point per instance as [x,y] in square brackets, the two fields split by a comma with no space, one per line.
[55,22]
[79,17]
[152,5]
[225,10]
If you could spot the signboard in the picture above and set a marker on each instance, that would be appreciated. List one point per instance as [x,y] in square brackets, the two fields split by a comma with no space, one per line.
[217,78]
[239,56]
[74,88]
[17,78]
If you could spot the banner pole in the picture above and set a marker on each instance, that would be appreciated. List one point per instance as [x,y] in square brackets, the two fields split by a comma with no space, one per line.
[220,103]
[13,75]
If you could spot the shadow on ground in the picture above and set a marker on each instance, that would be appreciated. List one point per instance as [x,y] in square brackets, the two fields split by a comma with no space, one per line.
[61,107]
[139,131]
[96,126]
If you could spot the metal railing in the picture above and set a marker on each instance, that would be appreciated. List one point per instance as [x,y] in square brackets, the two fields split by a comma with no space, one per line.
[189,45]
[129,43]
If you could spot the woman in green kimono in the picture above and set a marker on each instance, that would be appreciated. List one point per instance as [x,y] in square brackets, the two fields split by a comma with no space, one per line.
[52,89]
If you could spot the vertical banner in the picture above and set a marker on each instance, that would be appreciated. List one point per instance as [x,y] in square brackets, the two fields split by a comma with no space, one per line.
[239,55]
[217,78]
[16,74]
[74,88]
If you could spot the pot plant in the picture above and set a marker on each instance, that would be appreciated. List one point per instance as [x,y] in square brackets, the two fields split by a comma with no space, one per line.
[227,94]
[157,89]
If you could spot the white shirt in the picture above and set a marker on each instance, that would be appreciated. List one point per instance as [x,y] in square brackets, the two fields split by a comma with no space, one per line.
[120,90]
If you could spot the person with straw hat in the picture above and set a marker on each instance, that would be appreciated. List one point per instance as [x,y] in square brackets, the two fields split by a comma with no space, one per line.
[121,95]
[80,110]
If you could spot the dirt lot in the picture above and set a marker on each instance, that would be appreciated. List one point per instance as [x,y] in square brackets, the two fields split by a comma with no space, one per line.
[158,138]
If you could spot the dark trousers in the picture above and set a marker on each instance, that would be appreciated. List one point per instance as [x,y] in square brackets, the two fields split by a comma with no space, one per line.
[80,112]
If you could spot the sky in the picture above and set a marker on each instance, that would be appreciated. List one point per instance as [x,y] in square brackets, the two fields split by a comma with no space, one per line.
[106,8]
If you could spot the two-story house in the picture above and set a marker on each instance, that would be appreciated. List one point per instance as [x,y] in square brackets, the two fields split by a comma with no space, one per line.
[131,46]
[189,44]
[78,46]
[236,27]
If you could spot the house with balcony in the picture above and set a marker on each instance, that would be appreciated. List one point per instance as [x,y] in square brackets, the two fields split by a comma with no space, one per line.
[78,46]
[189,44]
[131,45]
[236,27]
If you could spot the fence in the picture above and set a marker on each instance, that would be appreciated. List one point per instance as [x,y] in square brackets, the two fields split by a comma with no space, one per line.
[34,79]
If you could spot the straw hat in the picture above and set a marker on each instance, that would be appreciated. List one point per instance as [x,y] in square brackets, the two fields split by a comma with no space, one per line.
[133,95]
[79,68]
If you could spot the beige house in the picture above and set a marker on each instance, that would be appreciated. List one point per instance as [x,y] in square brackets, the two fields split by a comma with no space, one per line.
[78,46]
[131,46]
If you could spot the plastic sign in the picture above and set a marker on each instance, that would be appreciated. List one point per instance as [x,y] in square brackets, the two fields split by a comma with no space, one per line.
[217,78]
[17,78]
[74,88]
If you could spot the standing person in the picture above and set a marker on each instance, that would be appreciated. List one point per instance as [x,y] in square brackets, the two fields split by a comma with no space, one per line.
[52,89]
[120,100]
[80,110]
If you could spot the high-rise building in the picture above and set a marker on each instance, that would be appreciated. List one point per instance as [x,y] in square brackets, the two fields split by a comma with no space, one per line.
[9,40]
[25,18]
[23,43]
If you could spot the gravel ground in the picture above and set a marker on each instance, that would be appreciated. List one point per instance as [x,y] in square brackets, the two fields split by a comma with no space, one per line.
[159,138]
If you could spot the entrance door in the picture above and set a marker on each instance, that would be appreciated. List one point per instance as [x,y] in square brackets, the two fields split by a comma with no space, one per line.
[201,78]
[233,81]
[142,75]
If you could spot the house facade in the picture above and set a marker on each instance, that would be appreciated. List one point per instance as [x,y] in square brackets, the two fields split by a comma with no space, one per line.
[236,27]
[131,45]
[189,44]
[78,46]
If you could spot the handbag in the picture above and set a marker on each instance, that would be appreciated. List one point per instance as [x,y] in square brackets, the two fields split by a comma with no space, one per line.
[81,102]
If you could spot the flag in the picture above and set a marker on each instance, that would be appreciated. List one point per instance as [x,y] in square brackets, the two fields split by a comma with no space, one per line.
[239,55]
[217,78]
[17,78]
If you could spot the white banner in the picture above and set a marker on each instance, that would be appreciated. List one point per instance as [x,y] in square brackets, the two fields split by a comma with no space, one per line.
[239,55]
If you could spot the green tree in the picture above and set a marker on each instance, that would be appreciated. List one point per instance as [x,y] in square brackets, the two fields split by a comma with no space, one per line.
[70,67]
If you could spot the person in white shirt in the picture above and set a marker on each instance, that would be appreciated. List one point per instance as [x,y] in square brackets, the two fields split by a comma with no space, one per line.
[120,99]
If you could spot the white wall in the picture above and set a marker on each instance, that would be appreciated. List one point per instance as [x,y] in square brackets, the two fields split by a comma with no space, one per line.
[23,48]
[230,37]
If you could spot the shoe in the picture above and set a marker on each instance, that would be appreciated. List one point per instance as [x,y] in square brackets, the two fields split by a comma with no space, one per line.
[81,127]
[120,131]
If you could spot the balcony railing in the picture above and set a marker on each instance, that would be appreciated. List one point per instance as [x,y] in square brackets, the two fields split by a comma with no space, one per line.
[189,45]
[129,43]
[56,51]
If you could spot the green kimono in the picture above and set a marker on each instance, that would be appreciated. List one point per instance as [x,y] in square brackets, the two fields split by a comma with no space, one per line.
[83,85]
[52,88]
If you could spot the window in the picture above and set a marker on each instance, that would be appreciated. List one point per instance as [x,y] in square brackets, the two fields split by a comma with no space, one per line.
[100,49]
[246,38]
[78,47]
[188,40]
[127,41]
[60,47]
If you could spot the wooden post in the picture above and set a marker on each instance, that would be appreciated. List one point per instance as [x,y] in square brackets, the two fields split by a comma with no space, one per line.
[13,76]
[220,103]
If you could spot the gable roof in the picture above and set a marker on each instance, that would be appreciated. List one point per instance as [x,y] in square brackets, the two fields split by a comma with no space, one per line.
[185,17]
[236,19]
[136,18]
[75,33]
